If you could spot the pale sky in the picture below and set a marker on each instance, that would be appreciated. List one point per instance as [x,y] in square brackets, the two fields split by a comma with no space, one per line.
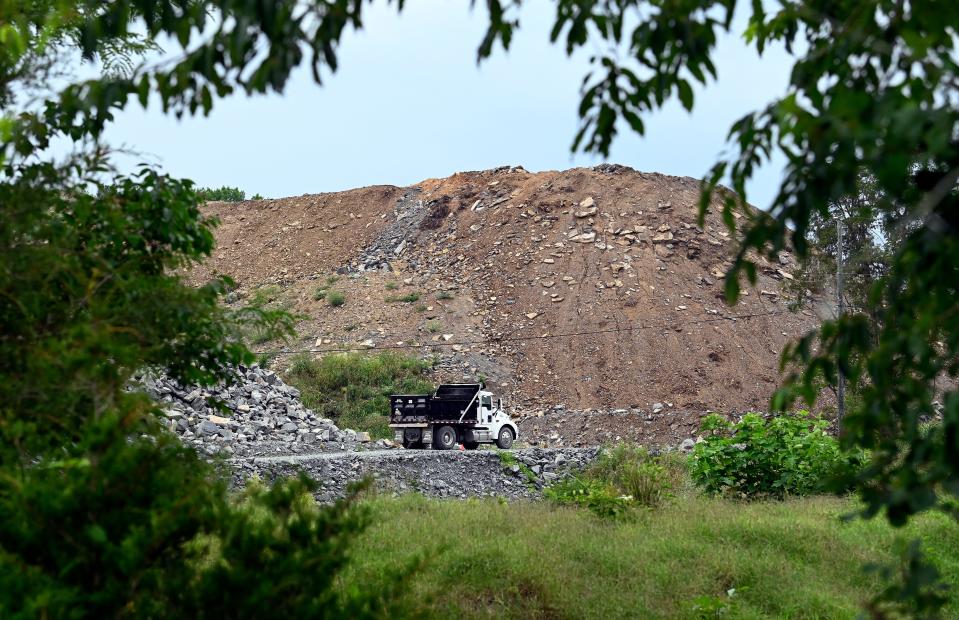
[409,103]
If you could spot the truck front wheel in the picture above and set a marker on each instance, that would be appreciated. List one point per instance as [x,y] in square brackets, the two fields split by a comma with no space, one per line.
[444,438]
[505,439]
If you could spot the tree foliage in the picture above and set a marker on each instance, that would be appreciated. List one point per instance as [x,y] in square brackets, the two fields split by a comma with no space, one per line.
[86,294]
[224,193]
[873,90]
[103,513]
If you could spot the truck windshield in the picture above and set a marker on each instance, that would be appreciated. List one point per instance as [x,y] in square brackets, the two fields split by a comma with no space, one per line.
[487,402]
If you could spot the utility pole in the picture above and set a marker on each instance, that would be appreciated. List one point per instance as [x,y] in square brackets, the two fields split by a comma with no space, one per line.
[841,387]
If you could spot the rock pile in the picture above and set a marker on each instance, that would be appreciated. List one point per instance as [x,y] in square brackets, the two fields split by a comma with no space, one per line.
[454,474]
[600,288]
[256,414]
[260,422]
[390,245]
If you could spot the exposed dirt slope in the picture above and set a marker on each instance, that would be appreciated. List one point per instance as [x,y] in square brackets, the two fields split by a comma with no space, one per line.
[507,262]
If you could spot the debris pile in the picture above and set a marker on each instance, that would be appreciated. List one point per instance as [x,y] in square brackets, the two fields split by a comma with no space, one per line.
[454,474]
[256,414]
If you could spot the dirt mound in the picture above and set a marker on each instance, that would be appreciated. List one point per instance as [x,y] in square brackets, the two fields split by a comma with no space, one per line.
[590,288]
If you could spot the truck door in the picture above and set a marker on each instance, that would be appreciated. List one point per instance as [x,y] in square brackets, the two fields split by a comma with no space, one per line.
[486,409]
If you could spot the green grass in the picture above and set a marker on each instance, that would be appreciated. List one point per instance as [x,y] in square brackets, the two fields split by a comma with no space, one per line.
[353,388]
[486,559]
[335,298]
[444,295]
[433,326]
[392,285]
[508,460]
[264,295]
[319,293]
[408,298]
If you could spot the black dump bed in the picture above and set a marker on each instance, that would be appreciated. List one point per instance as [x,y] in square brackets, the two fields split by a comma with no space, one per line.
[447,403]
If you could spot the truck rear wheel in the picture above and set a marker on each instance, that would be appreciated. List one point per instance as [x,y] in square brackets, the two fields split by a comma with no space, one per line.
[505,439]
[444,438]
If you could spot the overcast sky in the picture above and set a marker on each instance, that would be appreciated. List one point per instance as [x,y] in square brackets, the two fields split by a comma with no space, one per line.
[410,103]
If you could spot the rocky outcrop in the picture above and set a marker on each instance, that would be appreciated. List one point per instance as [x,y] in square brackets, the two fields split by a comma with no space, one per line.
[254,414]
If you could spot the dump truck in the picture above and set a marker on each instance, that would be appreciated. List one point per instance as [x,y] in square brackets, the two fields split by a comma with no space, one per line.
[456,413]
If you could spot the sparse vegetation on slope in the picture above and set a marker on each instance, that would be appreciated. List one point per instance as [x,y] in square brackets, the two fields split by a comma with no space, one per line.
[353,388]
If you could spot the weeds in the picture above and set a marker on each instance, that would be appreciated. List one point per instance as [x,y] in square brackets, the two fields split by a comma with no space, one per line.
[509,461]
[392,285]
[444,295]
[323,292]
[408,298]
[623,477]
[433,326]
[354,388]
[335,298]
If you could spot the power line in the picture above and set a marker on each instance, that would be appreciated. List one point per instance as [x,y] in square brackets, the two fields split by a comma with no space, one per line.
[523,338]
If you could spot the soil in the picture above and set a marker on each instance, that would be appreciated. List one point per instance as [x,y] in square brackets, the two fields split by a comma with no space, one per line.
[591,288]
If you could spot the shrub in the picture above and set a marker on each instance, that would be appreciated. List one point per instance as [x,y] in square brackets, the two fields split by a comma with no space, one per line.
[392,285]
[634,473]
[319,293]
[443,295]
[335,298]
[623,478]
[599,498]
[433,326]
[756,457]
[140,527]
[226,194]
[353,388]
[408,298]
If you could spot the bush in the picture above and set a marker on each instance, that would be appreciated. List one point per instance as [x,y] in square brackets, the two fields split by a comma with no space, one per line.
[756,457]
[408,298]
[335,298]
[226,194]
[140,527]
[444,295]
[353,388]
[319,293]
[392,285]
[635,473]
[623,477]
[599,498]
[433,326]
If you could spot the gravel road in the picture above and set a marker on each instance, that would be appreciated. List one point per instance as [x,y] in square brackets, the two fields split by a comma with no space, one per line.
[480,473]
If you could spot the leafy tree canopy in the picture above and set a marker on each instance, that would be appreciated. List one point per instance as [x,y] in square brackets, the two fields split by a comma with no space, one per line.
[86,295]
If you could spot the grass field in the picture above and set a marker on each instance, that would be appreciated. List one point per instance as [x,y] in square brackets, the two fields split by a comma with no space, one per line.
[486,559]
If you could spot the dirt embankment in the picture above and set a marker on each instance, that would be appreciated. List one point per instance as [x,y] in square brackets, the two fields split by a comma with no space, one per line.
[590,288]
